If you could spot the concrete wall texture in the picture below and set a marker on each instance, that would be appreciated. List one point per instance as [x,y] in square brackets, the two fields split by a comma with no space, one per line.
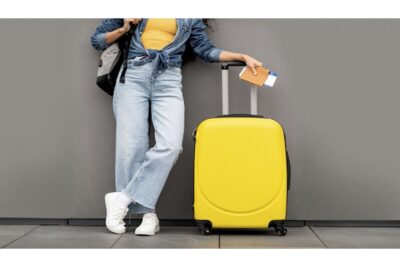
[336,96]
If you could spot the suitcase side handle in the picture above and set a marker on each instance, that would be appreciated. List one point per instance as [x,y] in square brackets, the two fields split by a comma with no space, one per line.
[225,89]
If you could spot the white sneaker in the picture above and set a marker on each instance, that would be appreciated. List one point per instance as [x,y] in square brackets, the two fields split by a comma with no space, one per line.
[115,213]
[149,226]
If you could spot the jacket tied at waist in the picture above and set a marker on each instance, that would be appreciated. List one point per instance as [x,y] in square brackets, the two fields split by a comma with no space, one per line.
[159,56]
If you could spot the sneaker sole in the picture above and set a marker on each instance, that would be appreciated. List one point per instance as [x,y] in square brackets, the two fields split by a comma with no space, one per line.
[144,234]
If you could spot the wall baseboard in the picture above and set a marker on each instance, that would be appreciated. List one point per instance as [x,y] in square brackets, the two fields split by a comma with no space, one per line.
[353,223]
[184,222]
[41,221]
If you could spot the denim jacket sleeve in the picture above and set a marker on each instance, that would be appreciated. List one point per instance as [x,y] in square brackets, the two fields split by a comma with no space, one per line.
[98,38]
[201,44]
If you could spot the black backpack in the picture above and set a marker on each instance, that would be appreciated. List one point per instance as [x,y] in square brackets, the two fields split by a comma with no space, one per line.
[111,60]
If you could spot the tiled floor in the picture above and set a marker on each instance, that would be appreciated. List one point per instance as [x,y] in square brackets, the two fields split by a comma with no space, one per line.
[62,236]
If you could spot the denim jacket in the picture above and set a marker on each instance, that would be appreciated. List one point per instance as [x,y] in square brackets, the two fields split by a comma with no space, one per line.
[188,30]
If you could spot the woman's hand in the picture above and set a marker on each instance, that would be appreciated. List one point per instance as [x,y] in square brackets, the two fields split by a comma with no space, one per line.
[127,25]
[252,63]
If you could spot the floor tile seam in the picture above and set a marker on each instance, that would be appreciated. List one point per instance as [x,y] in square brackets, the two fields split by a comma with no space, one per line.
[320,239]
[116,241]
[9,243]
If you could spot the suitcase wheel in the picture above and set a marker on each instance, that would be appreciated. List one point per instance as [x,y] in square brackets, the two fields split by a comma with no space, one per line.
[205,231]
[279,227]
[204,227]
[280,230]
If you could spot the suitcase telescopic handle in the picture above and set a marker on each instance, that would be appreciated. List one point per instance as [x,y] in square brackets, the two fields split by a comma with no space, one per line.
[225,89]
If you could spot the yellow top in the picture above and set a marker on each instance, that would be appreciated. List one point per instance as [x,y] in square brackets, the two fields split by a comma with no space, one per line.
[158,33]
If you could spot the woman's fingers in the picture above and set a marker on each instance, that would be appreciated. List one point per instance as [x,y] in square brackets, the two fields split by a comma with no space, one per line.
[128,21]
[253,69]
[253,64]
[132,20]
[136,21]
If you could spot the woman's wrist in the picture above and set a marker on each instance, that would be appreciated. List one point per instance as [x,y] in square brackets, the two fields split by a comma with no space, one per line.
[240,57]
[121,30]
[243,57]
[111,37]
[232,56]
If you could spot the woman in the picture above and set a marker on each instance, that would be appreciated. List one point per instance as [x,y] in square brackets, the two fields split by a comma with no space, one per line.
[153,80]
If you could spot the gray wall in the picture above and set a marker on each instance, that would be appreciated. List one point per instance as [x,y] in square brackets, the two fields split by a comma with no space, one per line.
[336,96]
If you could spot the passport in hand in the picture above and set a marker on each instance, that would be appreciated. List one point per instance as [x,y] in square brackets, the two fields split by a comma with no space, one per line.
[264,76]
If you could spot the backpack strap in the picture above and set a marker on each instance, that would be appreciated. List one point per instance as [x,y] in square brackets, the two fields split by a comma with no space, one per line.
[126,51]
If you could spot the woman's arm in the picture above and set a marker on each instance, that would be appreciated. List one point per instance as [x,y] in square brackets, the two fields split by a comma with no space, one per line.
[114,35]
[109,31]
[252,63]
[203,47]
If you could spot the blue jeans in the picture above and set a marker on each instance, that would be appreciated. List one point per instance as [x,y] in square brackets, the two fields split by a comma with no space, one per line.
[141,172]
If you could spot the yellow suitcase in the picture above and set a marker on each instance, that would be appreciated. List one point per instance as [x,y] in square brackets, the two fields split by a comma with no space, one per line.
[241,169]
